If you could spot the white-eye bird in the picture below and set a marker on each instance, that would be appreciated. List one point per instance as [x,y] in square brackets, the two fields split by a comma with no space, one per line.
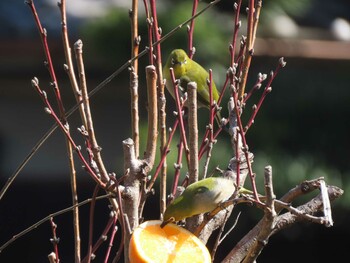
[187,70]
[200,197]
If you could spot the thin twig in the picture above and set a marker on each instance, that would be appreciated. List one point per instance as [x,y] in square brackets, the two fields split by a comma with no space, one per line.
[268,220]
[110,244]
[177,167]
[91,223]
[231,228]
[217,239]
[162,160]
[101,239]
[54,240]
[149,21]
[190,30]
[48,62]
[51,112]
[249,50]
[157,32]
[47,218]
[267,90]
[69,68]
[179,112]
[70,71]
[237,25]
[244,148]
[96,149]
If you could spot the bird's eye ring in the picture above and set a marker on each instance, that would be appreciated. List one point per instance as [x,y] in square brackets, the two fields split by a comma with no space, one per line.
[185,61]
[172,61]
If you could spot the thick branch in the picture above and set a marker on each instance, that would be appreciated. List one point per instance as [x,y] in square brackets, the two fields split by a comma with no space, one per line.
[193,222]
[131,190]
[151,77]
[239,252]
[193,132]
[310,208]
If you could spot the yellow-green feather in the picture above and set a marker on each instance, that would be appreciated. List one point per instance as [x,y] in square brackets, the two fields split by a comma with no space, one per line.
[200,197]
[187,70]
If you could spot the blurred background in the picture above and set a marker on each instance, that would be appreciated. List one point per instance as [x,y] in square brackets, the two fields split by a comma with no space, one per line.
[302,129]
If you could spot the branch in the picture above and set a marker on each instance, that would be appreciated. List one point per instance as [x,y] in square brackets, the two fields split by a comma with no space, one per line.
[238,253]
[102,238]
[192,223]
[134,174]
[69,68]
[89,255]
[135,43]
[49,110]
[237,26]
[193,131]
[96,149]
[249,48]
[267,90]
[180,114]
[151,77]
[304,212]
[54,240]
[157,32]
[268,220]
[190,29]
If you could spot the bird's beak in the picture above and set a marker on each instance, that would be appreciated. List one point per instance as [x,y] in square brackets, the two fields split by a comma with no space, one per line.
[164,223]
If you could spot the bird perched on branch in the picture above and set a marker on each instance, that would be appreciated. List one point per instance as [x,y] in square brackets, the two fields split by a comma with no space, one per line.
[200,197]
[187,70]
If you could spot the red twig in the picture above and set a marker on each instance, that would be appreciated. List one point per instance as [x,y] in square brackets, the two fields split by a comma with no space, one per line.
[122,222]
[91,223]
[102,238]
[178,167]
[240,56]
[245,148]
[266,91]
[149,21]
[54,240]
[179,111]
[51,112]
[257,85]
[190,30]
[48,63]
[157,32]
[110,244]
[237,7]
[212,110]
[204,143]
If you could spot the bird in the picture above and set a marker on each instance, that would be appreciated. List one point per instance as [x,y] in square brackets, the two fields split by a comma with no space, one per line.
[200,197]
[187,70]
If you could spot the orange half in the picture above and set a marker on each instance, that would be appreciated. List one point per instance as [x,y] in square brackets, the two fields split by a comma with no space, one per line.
[151,243]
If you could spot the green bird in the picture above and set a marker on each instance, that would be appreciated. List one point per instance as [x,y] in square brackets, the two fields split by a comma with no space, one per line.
[200,197]
[187,70]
